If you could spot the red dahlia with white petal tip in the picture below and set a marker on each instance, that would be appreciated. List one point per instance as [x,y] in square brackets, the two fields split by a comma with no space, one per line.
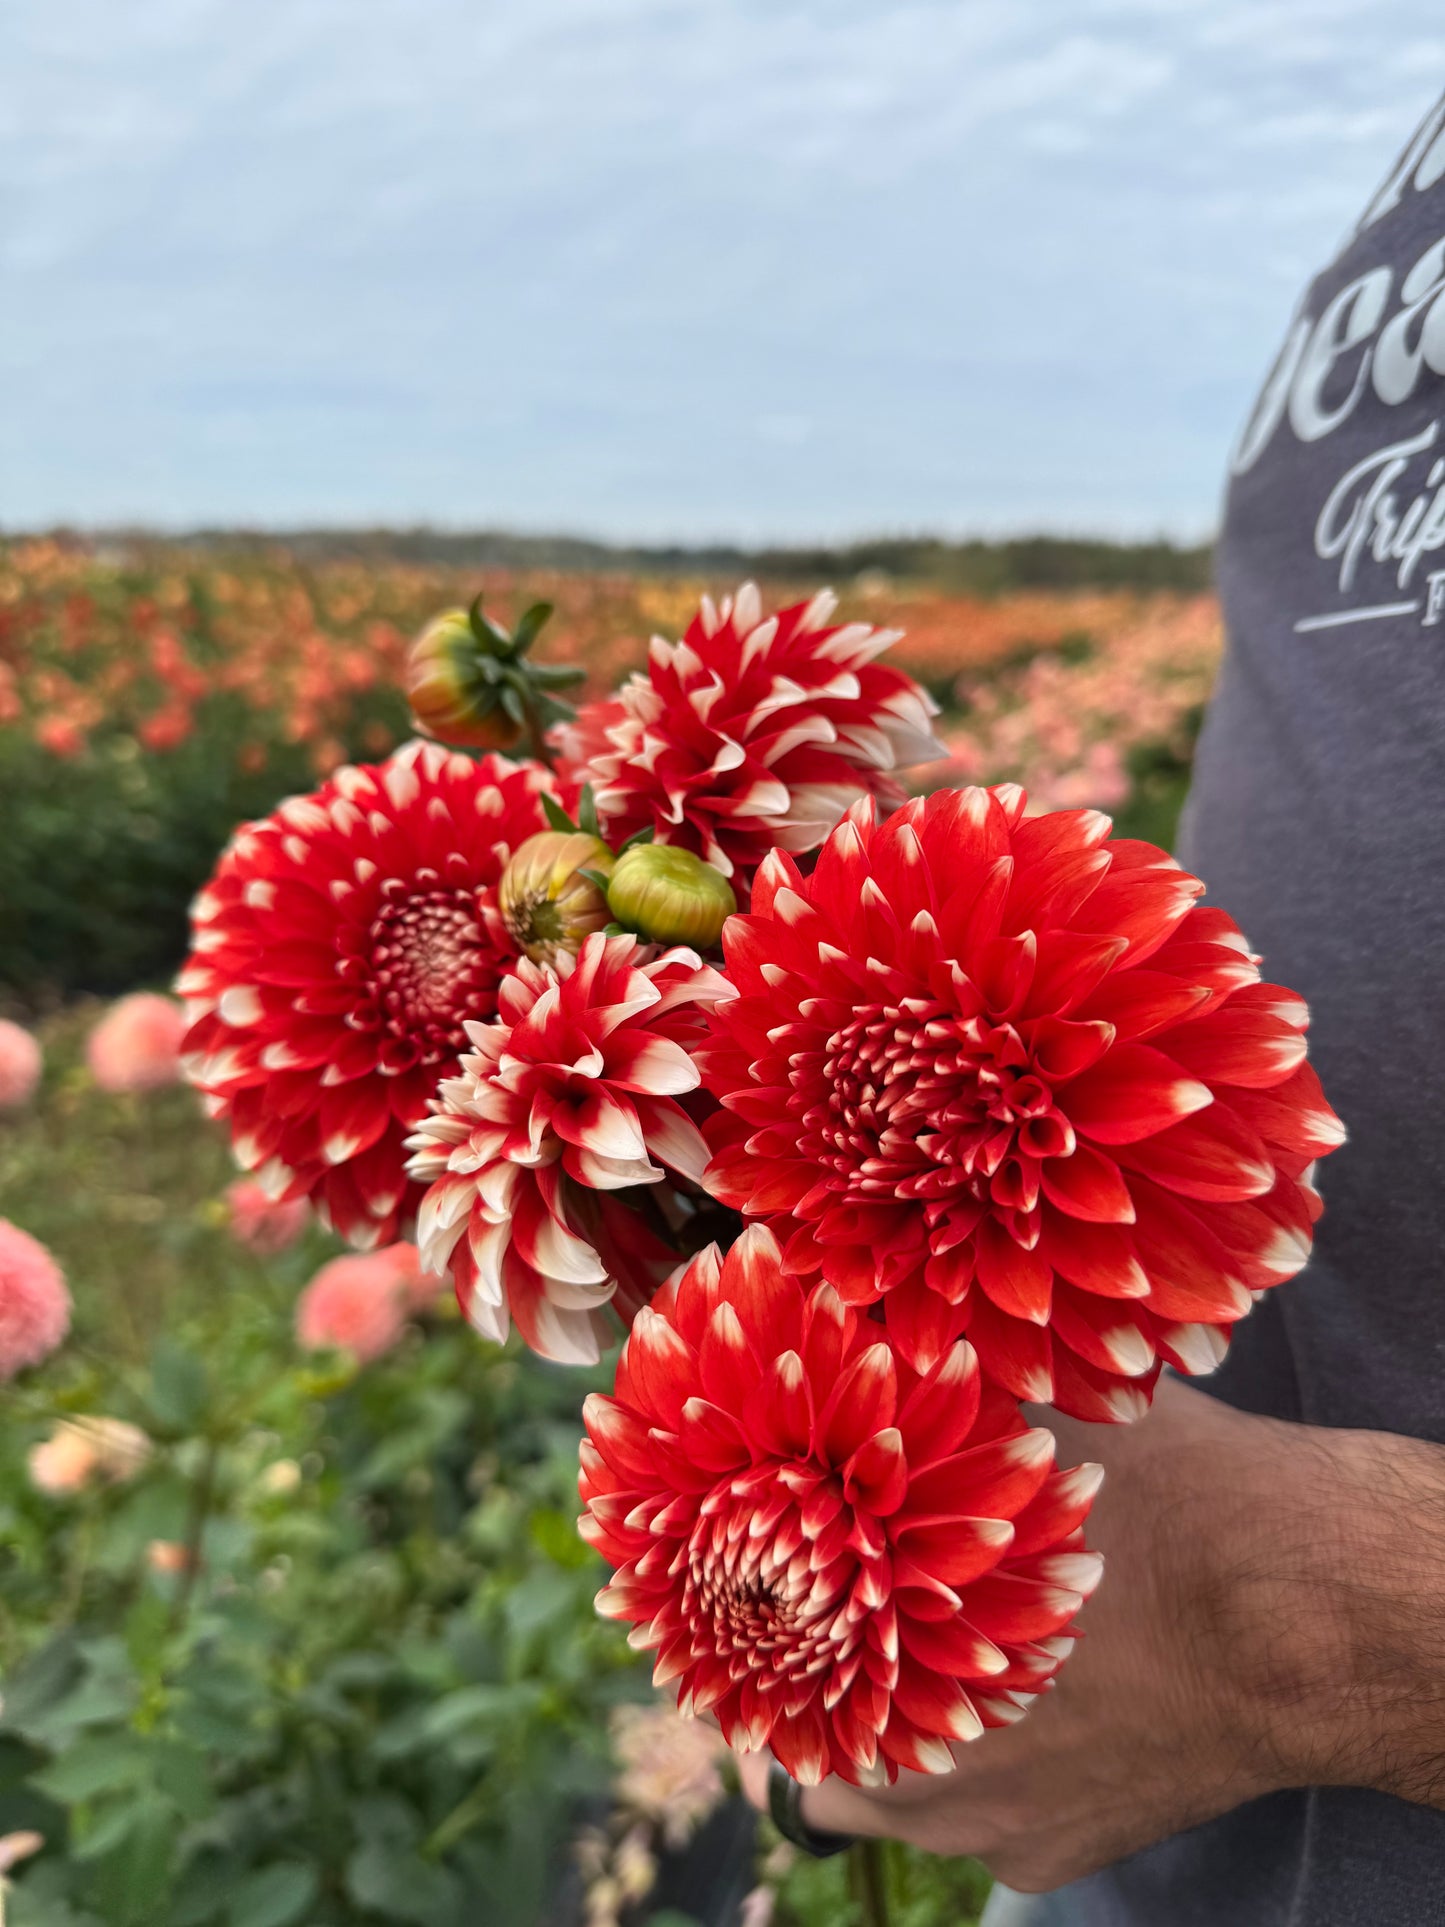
[571,1095]
[837,1556]
[752,732]
[336,954]
[1006,1075]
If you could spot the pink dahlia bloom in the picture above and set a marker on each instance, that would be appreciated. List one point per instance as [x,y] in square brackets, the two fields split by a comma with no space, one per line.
[838,1557]
[34,1303]
[21,1062]
[1006,1075]
[357,1303]
[569,1096]
[136,1045]
[337,953]
[262,1223]
[752,732]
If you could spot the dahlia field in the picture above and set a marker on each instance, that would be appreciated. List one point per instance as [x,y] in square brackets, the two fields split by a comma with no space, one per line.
[752,1020]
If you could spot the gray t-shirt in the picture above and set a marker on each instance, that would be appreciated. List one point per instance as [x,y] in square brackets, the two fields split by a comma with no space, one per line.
[1317,819]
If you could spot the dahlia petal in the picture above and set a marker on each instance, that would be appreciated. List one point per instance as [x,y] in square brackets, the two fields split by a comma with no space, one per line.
[601,1122]
[1016,1352]
[1194,1349]
[907,1746]
[992,1481]
[864,1402]
[1019,1282]
[1085,1391]
[1103,1331]
[1132,1093]
[923,1323]
[1237,1044]
[1057,1510]
[1215,1156]
[939,1412]
[1088,1185]
[1293,1115]
[876,1476]
[1192,1275]
[955,1551]
[1140,1003]
[1096,1257]
[662,1366]
[779,1409]
[646,1062]
[727,1365]
[935,1703]
[1006,1607]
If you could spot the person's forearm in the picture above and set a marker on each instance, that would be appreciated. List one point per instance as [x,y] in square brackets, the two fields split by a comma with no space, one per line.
[1306,1567]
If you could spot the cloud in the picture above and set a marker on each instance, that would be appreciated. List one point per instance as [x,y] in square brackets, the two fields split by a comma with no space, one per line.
[764,267]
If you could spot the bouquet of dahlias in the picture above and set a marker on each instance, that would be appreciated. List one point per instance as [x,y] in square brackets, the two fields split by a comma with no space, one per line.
[861,1119]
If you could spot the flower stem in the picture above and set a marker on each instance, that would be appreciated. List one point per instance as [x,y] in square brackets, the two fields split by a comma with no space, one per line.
[868,1880]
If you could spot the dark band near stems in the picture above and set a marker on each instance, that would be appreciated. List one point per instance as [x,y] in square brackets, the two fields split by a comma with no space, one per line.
[785,1806]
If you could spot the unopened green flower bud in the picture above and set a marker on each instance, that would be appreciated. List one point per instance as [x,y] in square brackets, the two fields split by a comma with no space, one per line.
[670,895]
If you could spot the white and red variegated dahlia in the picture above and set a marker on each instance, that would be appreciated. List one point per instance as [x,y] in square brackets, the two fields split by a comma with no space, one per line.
[838,1557]
[752,732]
[336,954]
[569,1097]
[1006,1075]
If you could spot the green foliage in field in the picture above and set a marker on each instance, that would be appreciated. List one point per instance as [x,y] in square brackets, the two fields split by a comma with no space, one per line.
[375,1689]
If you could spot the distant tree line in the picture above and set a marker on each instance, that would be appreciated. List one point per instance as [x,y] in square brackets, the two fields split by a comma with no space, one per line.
[975,567]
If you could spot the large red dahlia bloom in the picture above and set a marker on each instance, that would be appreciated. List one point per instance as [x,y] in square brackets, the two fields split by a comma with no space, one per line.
[336,954]
[752,732]
[839,1557]
[569,1096]
[1005,1074]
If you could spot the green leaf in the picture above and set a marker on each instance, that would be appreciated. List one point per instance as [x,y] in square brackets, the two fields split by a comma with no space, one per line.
[530,627]
[556,1534]
[556,815]
[179,1388]
[512,703]
[555,675]
[644,835]
[97,1765]
[132,1881]
[596,876]
[587,812]
[40,1682]
[396,1882]
[273,1896]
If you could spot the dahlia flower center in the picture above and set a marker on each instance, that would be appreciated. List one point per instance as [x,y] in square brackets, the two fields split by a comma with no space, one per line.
[923,1103]
[435,962]
[770,1577]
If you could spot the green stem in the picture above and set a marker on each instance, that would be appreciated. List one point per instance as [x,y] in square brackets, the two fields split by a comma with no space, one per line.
[868,1881]
[541,748]
[202,1493]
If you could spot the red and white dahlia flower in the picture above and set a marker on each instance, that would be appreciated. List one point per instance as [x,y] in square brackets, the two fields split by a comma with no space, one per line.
[752,732]
[569,1096]
[337,952]
[1006,1075]
[837,1556]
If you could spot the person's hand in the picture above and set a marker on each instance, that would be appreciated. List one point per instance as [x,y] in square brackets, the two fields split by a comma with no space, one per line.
[1252,1569]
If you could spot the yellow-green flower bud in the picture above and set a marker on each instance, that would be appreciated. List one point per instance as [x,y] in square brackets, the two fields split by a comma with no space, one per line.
[545,901]
[452,697]
[670,896]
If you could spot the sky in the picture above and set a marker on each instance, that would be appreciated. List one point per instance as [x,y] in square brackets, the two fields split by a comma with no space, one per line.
[757,270]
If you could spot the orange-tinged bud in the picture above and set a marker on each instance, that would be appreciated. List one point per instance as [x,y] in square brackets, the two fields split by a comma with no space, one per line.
[453,696]
[546,902]
[670,896]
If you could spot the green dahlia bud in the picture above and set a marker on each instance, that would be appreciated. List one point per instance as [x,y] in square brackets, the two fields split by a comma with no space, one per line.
[546,902]
[469,683]
[670,896]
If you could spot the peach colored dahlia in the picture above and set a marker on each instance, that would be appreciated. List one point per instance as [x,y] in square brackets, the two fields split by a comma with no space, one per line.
[337,953]
[1006,1075]
[838,1557]
[752,731]
[568,1097]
